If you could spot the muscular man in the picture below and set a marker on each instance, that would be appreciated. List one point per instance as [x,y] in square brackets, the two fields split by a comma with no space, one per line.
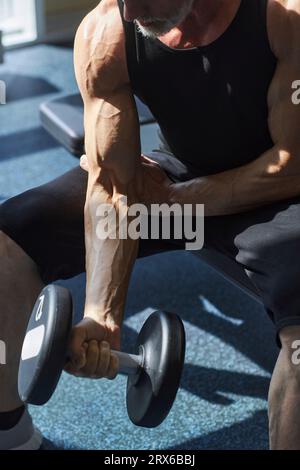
[219,77]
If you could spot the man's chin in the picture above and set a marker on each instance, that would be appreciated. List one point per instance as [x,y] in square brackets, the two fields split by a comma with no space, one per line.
[150,30]
[160,28]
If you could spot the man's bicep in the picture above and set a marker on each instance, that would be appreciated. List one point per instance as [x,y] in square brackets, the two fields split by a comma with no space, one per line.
[112,139]
[284,113]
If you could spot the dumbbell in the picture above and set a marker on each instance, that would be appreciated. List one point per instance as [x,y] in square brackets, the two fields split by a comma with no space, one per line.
[154,371]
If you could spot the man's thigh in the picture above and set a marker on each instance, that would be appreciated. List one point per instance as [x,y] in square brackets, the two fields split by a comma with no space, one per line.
[47,223]
[266,243]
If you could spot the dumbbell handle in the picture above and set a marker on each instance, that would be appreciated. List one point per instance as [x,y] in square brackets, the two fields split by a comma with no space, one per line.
[128,363]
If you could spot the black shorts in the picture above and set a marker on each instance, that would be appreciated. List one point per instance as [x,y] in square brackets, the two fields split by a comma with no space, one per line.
[47,222]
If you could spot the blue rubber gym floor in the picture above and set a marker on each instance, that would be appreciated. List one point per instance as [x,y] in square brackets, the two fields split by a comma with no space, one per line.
[231,351]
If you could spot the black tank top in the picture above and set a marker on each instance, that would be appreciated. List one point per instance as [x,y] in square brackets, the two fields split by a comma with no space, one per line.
[210,102]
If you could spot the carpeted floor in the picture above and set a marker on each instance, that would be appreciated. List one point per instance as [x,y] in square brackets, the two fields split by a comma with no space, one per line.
[230,342]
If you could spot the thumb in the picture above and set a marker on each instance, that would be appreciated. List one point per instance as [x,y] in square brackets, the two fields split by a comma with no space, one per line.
[148,160]
[76,361]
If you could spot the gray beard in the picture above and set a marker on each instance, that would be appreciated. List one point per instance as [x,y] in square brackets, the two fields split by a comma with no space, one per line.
[161,27]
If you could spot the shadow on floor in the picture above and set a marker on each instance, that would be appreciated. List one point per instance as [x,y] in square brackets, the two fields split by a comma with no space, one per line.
[32,141]
[183,281]
[210,384]
[21,87]
[241,436]
[48,445]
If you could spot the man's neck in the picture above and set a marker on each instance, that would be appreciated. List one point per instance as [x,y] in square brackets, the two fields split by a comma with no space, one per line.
[204,24]
[203,13]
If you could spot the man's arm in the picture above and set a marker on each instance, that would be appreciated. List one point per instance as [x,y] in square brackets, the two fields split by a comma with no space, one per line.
[275,175]
[113,150]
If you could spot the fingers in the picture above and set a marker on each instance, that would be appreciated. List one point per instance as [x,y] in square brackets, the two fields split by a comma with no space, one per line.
[73,366]
[154,170]
[100,363]
[77,349]
[92,357]
[148,160]
[102,367]
[108,364]
[89,349]
[113,367]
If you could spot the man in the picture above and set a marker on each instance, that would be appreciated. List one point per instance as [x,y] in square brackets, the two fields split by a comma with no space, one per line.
[219,78]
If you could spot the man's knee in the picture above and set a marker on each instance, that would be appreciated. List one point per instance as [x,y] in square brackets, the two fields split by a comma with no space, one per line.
[14,260]
[7,246]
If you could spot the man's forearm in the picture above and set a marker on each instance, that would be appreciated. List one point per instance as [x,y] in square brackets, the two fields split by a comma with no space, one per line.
[272,177]
[109,261]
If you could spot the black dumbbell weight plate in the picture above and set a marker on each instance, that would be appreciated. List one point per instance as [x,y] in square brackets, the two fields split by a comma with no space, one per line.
[44,349]
[152,391]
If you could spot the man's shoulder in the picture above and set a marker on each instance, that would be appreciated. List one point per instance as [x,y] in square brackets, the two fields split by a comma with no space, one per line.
[105,14]
[99,50]
[102,28]
[284,26]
